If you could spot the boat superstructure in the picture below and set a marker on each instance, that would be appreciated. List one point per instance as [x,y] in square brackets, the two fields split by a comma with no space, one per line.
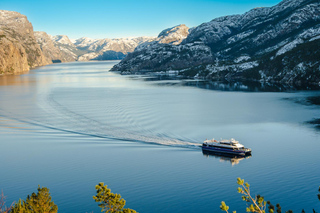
[231,146]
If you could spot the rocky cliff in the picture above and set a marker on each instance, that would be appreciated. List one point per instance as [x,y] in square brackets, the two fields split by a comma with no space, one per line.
[279,43]
[19,50]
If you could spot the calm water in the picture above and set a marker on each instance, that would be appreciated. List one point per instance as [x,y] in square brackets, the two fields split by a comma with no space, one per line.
[70,126]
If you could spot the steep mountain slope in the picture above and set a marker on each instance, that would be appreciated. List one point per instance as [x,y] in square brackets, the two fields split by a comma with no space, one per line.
[273,44]
[67,48]
[51,50]
[152,55]
[19,50]
[174,35]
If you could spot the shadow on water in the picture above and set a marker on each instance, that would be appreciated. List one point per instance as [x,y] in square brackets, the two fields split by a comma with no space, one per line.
[309,101]
[314,100]
[241,86]
[315,122]
[233,159]
[245,86]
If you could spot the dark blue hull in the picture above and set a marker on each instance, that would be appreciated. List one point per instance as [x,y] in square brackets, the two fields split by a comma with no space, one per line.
[226,151]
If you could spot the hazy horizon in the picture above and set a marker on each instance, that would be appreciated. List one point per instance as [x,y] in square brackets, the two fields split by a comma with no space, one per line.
[114,19]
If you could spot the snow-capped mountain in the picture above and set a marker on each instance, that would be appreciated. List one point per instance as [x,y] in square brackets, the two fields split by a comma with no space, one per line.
[174,35]
[84,42]
[85,49]
[108,49]
[279,43]
[70,51]
[54,50]
[62,39]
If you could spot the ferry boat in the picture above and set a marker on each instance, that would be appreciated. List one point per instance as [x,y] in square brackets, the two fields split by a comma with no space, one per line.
[232,147]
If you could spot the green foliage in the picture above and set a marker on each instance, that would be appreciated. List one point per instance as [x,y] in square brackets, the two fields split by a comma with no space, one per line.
[110,202]
[20,207]
[319,193]
[278,208]
[128,211]
[36,203]
[224,207]
[270,207]
[255,204]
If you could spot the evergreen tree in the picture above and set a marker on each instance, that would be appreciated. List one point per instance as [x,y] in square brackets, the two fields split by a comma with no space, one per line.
[110,202]
[36,203]
[20,207]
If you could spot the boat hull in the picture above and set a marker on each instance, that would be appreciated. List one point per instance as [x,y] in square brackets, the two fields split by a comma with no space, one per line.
[226,151]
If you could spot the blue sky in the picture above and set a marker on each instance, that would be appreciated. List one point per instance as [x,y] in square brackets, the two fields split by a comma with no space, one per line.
[124,18]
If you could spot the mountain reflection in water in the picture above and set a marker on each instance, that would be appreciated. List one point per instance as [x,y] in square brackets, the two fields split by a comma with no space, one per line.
[246,86]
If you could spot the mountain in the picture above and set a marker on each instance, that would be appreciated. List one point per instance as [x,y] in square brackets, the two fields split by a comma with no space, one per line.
[279,43]
[19,50]
[61,49]
[53,50]
[108,49]
[62,39]
[67,48]
[84,42]
[174,35]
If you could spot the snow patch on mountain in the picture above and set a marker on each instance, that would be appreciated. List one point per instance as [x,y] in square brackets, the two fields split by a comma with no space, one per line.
[242,58]
[289,46]
[62,39]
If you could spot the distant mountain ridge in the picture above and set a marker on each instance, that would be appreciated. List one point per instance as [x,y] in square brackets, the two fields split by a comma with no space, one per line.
[21,48]
[279,43]
[85,49]
[106,49]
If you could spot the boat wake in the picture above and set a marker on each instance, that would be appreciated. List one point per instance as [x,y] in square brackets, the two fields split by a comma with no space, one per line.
[116,123]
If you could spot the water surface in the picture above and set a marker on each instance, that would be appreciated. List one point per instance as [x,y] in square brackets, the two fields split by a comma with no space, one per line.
[70,126]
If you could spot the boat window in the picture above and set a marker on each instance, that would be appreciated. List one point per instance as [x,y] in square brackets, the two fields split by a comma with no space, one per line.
[223,147]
